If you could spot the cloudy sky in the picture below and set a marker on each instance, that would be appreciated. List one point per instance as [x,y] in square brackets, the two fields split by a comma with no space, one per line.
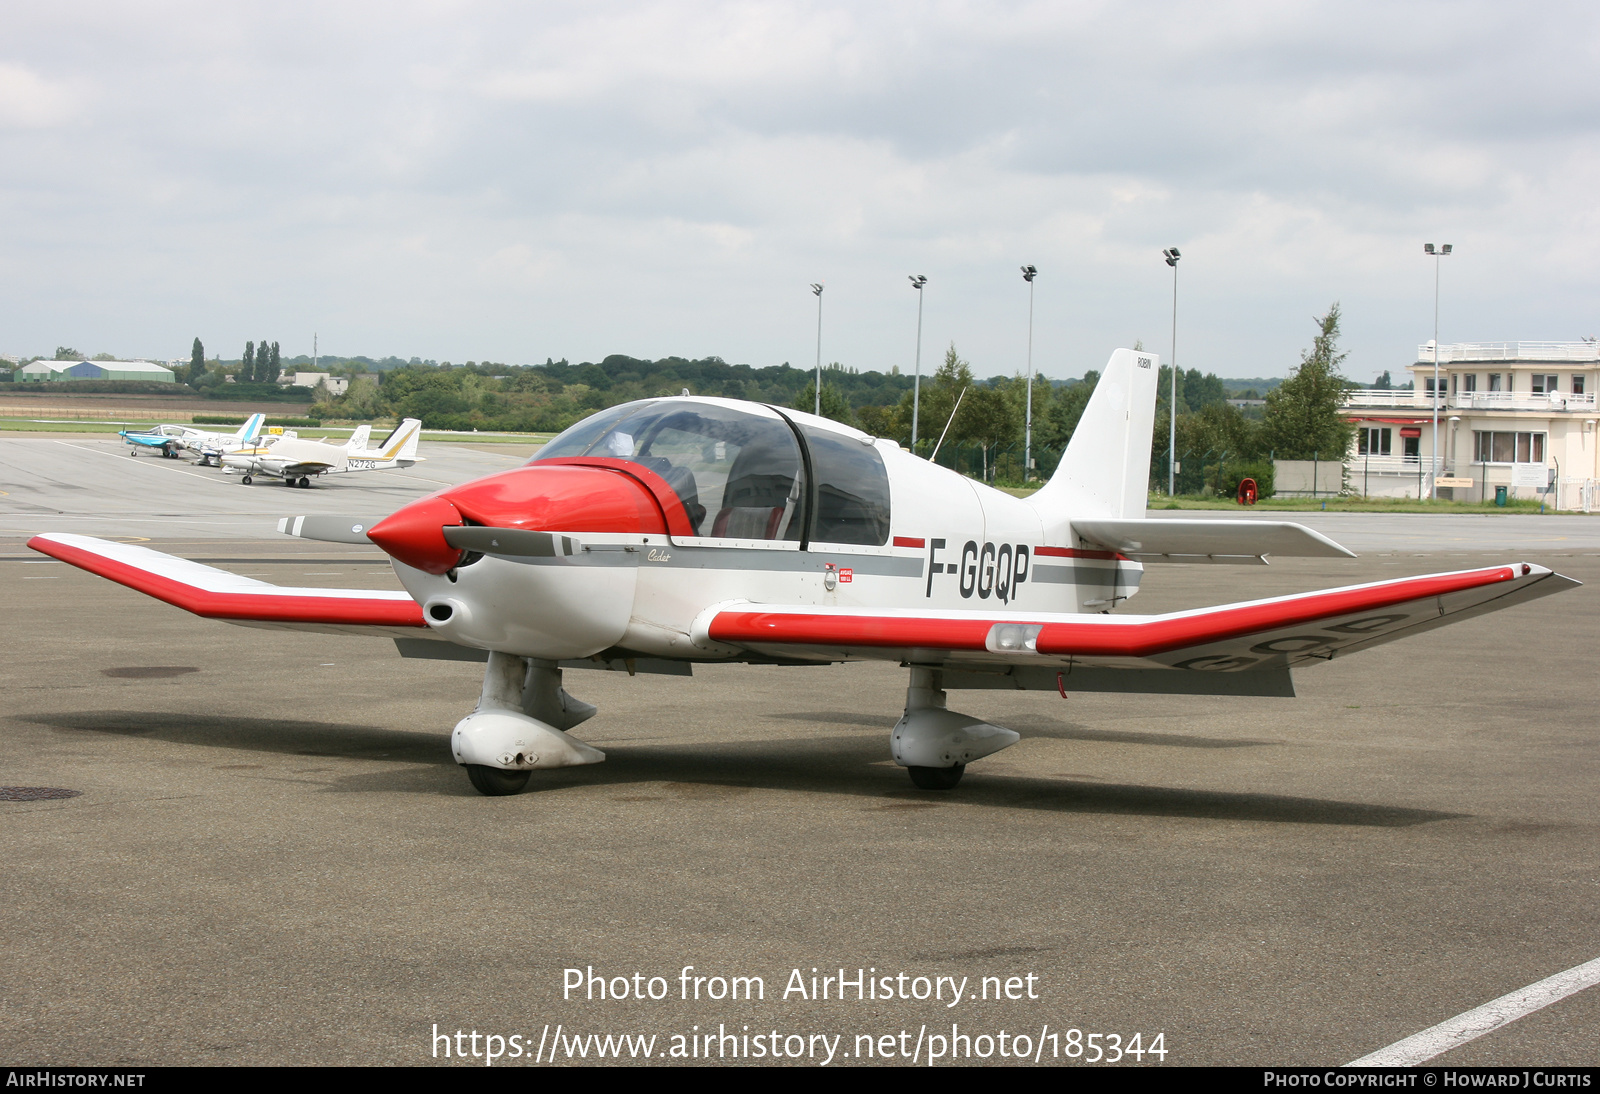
[516,181]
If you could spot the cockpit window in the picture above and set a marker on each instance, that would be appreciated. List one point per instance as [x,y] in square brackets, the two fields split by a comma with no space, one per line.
[738,474]
[852,498]
[576,439]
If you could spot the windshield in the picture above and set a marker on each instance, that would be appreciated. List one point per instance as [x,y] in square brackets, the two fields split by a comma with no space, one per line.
[576,439]
[738,474]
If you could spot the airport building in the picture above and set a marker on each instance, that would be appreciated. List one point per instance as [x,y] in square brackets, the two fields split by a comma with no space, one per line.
[44,371]
[1518,415]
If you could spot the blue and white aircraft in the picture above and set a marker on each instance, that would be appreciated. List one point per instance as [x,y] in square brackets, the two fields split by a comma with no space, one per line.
[172,440]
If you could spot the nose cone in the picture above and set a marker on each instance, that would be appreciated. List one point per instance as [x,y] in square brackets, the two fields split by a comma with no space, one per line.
[414,535]
[543,498]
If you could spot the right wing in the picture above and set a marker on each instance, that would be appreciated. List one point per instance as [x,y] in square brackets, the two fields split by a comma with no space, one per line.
[217,594]
[1261,635]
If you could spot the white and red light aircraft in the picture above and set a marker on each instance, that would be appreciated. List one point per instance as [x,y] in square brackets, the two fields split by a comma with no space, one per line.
[677,530]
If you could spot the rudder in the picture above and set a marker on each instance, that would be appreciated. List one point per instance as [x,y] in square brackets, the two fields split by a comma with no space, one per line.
[1105,471]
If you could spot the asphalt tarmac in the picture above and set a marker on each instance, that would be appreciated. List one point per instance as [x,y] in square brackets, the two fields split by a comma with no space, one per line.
[273,859]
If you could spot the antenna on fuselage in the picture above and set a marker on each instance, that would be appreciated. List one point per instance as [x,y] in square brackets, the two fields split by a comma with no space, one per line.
[953,410]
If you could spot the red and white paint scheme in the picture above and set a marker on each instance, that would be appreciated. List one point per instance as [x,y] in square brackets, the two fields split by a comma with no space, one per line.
[665,532]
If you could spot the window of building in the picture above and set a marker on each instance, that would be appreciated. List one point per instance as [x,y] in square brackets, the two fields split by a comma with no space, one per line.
[1469,382]
[1544,383]
[1494,381]
[1374,441]
[1427,382]
[1577,384]
[1497,447]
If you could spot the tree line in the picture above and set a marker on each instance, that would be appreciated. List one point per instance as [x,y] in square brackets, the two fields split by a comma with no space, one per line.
[981,421]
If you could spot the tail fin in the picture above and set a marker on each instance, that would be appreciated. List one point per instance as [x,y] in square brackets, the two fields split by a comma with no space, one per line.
[358,439]
[402,443]
[250,430]
[1106,469]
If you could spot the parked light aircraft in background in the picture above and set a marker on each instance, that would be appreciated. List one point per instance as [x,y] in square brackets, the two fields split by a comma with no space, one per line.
[170,440]
[296,461]
[669,531]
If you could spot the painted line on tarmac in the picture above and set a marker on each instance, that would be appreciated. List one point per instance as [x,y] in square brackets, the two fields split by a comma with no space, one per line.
[179,470]
[1493,1015]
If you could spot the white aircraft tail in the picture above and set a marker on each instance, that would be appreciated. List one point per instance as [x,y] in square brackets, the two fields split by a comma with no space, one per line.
[251,429]
[1105,472]
[358,439]
[402,443]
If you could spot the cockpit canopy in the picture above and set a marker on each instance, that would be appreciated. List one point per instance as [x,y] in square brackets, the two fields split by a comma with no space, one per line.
[739,469]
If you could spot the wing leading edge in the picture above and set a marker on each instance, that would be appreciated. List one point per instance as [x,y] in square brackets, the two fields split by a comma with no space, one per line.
[217,594]
[1270,634]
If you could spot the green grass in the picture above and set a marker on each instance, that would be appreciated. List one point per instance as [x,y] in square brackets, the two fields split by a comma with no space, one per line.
[1348,505]
[1161,503]
[19,425]
[340,432]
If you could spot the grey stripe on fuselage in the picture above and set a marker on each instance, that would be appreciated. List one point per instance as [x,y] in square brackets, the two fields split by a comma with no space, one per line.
[1084,575]
[726,558]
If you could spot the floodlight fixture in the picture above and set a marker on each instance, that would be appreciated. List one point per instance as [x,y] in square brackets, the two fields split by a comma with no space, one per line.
[1443,250]
[1171,254]
[816,287]
[917,281]
[1029,272]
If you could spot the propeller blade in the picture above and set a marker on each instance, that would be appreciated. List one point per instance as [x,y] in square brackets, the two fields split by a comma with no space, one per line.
[328,528]
[511,542]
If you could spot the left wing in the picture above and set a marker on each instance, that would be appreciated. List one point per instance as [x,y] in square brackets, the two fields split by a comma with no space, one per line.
[1259,635]
[217,594]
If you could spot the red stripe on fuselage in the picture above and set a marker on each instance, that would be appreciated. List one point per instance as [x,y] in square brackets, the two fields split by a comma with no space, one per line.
[908,541]
[1073,552]
[259,607]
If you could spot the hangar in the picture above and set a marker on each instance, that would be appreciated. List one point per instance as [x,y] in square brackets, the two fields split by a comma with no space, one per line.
[45,371]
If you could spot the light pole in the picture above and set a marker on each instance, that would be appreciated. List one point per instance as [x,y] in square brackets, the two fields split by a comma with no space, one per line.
[1171,255]
[917,281]
[1029,272]
[817,288]
[1427,248]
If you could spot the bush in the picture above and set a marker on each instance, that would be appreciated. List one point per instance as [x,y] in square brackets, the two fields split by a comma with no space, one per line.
[227,419]
[1232,472]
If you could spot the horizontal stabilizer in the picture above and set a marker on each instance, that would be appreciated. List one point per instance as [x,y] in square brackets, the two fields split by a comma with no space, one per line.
[329,528]
[1162,540]
[217,594]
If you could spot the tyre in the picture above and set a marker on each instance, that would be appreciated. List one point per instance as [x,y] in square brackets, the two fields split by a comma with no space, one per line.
[494,782]
[247,480]
[936,778]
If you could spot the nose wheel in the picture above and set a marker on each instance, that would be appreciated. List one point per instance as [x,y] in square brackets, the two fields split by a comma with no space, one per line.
[495,783]
[247,480]
[934,778]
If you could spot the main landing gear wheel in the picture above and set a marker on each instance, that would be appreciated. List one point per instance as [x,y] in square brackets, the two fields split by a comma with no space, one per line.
[936,778]
[305,482]
[247,480]
[495,782]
